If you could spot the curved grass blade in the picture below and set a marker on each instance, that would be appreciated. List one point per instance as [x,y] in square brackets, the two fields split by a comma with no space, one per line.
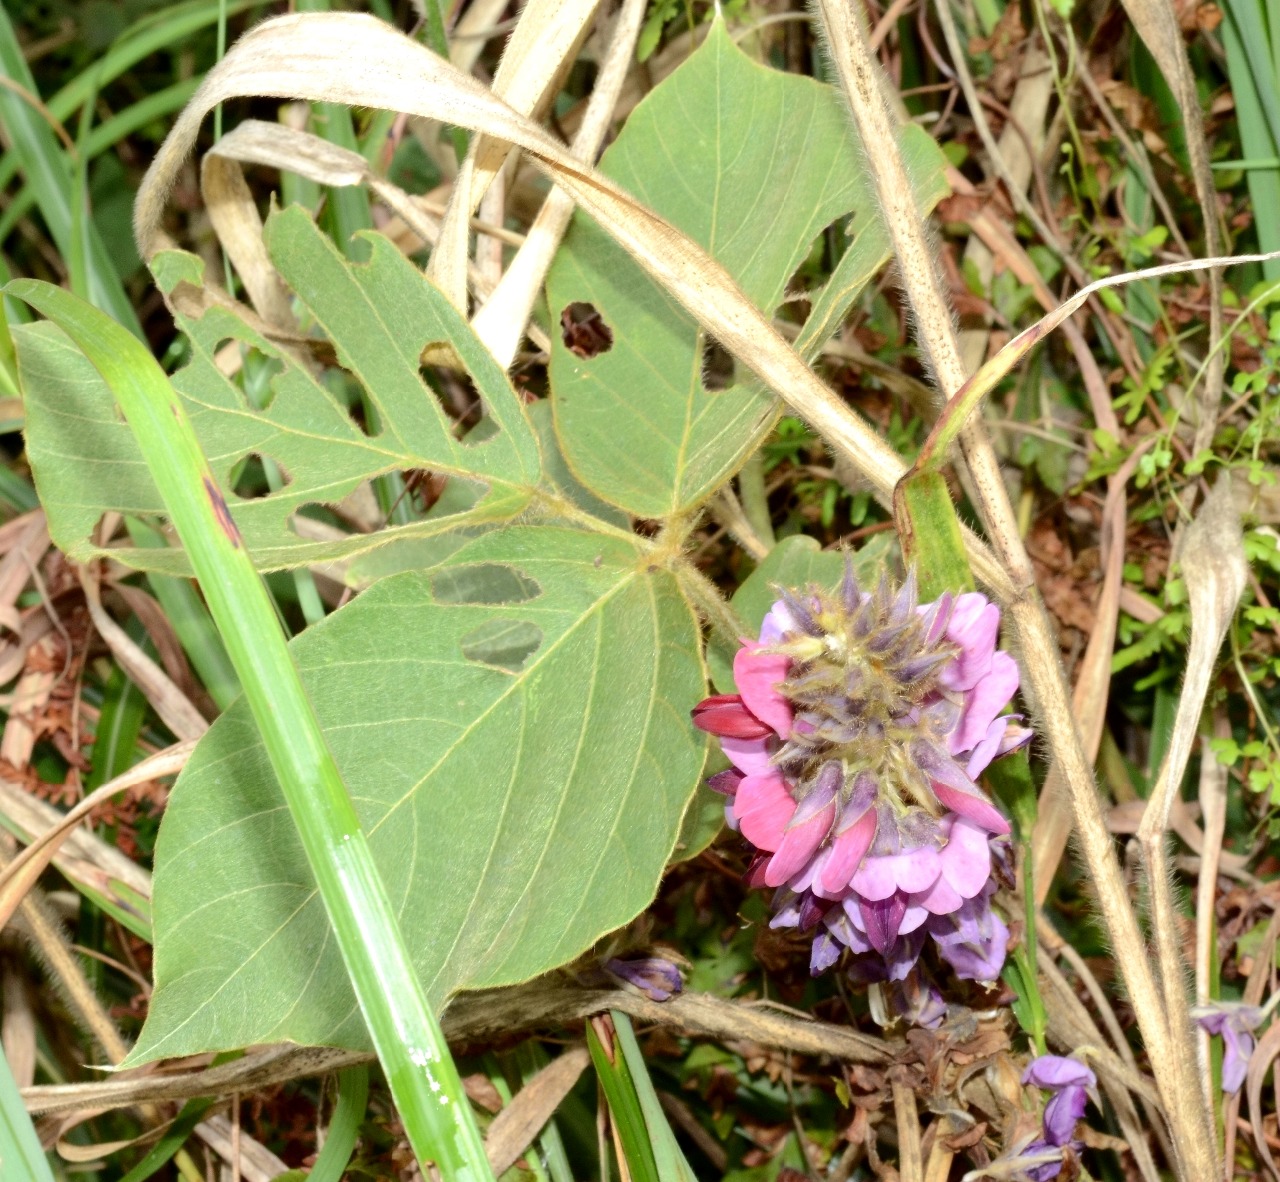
[424,1080]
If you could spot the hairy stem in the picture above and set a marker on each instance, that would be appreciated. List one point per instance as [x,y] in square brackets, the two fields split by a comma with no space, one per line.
[922,282]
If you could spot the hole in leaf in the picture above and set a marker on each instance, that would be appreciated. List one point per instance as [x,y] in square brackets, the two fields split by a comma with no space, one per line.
[457,394]
[717,365]
[484,582]
[584,331]
[257,476]
[505,644]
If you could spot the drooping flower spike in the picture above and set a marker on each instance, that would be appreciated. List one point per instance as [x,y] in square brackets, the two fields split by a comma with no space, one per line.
[862,721]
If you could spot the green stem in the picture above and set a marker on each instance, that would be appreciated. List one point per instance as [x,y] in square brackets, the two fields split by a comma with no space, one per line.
[406,1034]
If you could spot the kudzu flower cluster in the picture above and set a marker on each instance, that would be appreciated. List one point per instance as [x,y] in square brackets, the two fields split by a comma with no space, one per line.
[862,722]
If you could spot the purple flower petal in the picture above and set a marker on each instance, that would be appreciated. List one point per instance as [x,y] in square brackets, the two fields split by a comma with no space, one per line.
[989,747]
[654,976]
[757,675]
[751,756]
[824,953]
[876,879]
[956,791]
[941,898]
[973,625]
[913,917]
[1235,1022]
[778,621]
[1058,1071]
[847,852]
[919,1002]
[1062,1113]
[725,782]
[882,920]
[902,959]
[984,702]
[1237,1050]
[917,870]
[966,858]
[1041,1171]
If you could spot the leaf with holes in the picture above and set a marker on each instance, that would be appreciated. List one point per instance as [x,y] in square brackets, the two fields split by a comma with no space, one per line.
[754,165]
[513,728]
[380,317]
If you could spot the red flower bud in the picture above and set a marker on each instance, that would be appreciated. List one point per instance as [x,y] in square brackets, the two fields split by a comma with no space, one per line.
[726,716]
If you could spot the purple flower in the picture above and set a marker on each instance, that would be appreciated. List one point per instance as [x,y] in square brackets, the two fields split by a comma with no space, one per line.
[861,722]
[1069,1080]
[659,979]
[1049,1163]
[918,1002]
[1236,1022]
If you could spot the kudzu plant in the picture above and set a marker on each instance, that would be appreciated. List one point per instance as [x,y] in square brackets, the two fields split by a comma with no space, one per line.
[507,695]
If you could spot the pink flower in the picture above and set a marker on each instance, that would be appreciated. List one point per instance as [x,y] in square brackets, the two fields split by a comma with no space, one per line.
[861,722]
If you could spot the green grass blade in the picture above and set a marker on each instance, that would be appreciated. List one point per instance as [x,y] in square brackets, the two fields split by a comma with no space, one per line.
[624,1107]
[424,1080]
[670,1159]
[175,1137]
[340,1141]
[20,1154]
[37,152]
[1257,144]
[1246,16]
[186,611]
[106,135]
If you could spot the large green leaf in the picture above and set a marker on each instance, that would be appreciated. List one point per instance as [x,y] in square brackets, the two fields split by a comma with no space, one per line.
[753,164]
[513,728]
[379,315]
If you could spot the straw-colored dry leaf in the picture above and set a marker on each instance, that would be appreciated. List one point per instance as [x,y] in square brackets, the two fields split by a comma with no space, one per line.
[534,62]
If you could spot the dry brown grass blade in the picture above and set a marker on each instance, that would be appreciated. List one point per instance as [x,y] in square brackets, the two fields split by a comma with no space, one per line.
[25,548]
[84,857]
[255,1162]
[846,38]
[168,701]
[1214,570]
[343,57]
[535,60]
[1213,810]
[236,221]
[279,146]
[1260,1064]
[1093,684]
[520,1121]
[40,925]
[18,1026]
[910,1158]
[1157,24]
[501,320]
[21,874]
